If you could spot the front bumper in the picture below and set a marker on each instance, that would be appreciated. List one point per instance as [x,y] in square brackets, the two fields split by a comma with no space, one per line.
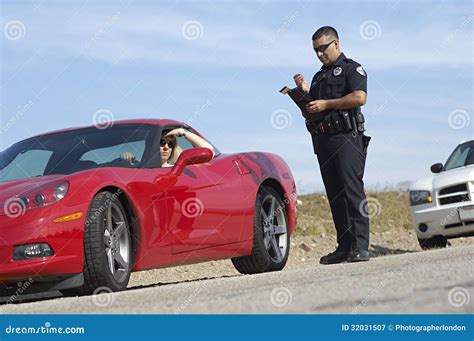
[36,226]
[10,293]
[441,220]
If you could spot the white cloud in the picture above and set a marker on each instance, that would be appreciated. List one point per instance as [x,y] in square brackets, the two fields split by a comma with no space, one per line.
[154,35]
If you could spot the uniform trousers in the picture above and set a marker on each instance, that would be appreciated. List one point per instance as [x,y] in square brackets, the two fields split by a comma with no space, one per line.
[341,159]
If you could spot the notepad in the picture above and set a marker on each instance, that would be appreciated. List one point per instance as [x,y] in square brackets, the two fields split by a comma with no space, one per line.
[300,98]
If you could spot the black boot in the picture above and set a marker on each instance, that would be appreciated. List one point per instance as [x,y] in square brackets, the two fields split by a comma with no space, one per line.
[338,256]
[359,256]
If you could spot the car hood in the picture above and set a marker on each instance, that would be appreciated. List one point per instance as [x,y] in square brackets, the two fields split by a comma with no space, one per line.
[443,179]
[10,189]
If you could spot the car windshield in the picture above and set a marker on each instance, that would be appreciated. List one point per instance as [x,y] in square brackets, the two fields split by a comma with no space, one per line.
[462,156]
[74,151]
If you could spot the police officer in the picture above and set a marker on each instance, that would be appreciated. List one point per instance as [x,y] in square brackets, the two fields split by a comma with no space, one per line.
[336,125]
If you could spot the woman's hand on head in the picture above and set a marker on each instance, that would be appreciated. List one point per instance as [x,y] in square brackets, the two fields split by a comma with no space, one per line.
[176,132]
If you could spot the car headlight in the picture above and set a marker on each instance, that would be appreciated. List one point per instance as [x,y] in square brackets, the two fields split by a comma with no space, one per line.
[39,197]
[420,197]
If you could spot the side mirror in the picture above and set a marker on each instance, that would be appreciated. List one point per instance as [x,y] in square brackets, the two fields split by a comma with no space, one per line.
[437,168]
[191,157]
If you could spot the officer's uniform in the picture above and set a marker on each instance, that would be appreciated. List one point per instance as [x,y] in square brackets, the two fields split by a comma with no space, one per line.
[340,146]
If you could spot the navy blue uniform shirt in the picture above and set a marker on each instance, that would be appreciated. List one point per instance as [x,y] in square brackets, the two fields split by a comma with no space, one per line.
[338,79]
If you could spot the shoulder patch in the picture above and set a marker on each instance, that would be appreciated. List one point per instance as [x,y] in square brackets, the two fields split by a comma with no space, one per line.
[360,70]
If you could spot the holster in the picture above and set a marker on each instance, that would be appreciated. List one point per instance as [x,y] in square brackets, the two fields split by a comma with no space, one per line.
[360,120]
[365,142]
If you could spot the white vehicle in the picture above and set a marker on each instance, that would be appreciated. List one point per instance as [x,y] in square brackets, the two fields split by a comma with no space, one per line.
[442,206]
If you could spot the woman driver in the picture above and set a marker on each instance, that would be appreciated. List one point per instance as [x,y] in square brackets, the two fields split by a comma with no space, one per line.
[169,148]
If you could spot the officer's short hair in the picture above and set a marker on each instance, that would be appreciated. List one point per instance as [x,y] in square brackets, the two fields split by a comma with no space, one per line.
[325,31]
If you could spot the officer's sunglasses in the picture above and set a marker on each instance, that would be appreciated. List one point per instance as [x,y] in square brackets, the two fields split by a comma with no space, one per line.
[170,143]
[323,48]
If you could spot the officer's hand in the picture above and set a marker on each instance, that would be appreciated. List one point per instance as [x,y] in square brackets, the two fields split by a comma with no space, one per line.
[300,82]
[316,106]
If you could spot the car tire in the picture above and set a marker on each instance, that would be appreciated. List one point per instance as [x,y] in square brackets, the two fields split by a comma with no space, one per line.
[107,246]
[271,237]
[433,242]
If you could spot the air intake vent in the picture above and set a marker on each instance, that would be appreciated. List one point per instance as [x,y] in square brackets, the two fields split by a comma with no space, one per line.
[454,199]
[453,189]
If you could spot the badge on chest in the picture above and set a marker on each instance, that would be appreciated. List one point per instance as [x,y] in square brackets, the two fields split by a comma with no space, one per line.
[337,71]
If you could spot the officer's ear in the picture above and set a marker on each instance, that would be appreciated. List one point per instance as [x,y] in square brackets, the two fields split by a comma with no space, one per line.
[336,44]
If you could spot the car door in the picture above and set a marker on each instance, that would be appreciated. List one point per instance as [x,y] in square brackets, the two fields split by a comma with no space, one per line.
[202,207]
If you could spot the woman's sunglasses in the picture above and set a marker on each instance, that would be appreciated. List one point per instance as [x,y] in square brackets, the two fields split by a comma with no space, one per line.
[170,143]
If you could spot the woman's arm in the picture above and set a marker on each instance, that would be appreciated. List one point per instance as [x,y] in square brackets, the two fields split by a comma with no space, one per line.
[196,140]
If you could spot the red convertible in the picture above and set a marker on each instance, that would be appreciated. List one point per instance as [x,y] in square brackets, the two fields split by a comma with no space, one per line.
[82,208]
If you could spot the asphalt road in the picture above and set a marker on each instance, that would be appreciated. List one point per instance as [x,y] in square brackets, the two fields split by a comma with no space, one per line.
[439,281]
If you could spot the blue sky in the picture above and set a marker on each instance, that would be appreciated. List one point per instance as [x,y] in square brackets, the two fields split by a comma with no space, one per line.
[219,65]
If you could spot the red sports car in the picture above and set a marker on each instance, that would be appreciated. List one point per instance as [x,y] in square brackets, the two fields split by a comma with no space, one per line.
[82,208]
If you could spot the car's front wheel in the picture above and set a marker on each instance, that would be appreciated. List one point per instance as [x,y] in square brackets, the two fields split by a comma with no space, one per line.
[271,240]
[107,246]
[433,242]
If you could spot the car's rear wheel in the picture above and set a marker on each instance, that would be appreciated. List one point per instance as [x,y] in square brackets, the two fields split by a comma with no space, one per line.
[271,240]
[107,246]
[433,242]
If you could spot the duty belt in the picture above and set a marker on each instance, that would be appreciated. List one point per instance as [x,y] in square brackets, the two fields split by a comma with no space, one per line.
[338,122]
